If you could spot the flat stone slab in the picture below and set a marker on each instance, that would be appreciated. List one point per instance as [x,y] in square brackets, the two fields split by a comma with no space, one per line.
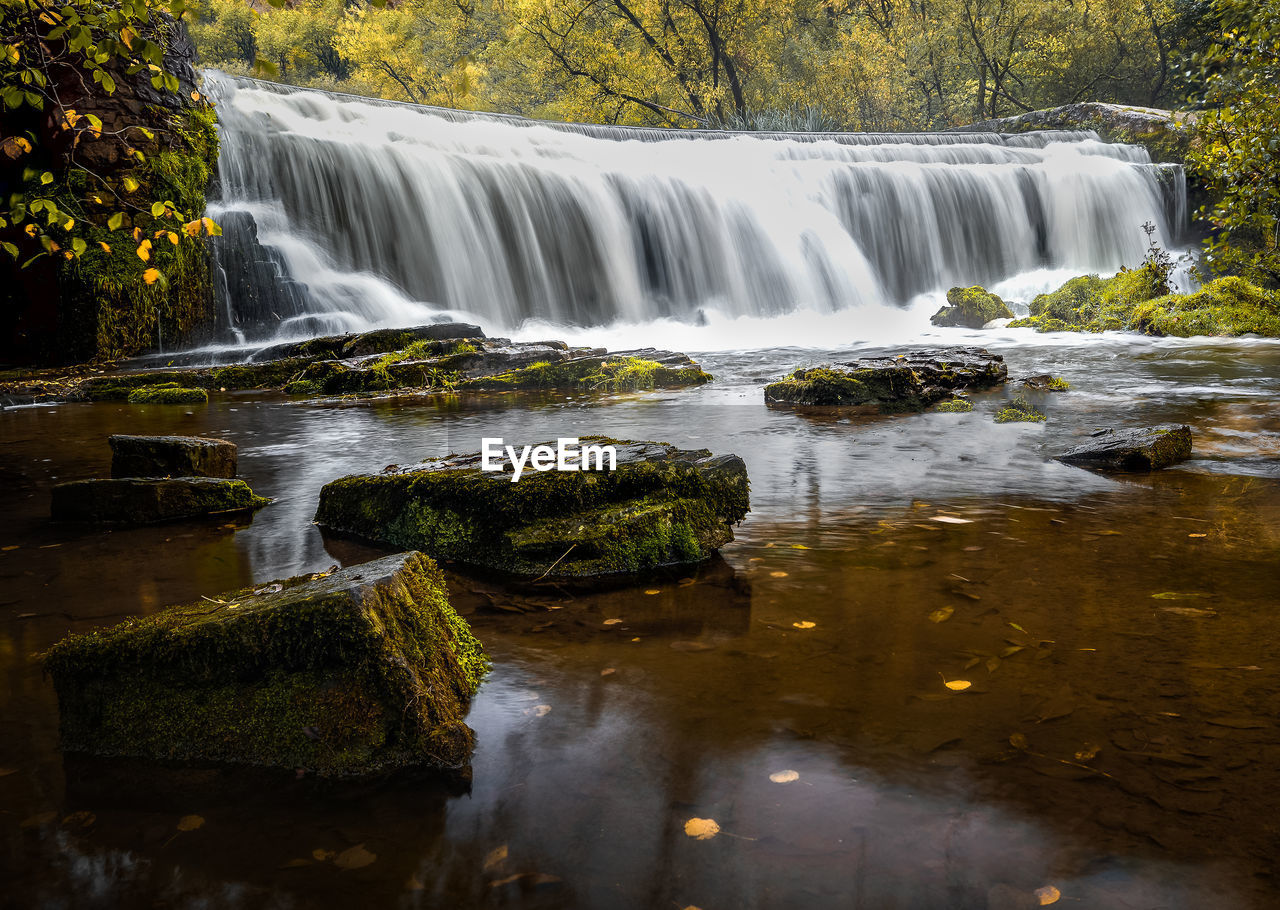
[146,500]
[1146,449]
[662,506]
[172,456]
[361,670]
[902,383]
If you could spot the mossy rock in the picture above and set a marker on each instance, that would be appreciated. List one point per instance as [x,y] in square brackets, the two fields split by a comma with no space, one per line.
[168,393]
[971,308]
[172,456]
[1046,383]
[1137,300]
[139,500]
[363,670]
[890,385]
[954,406]
[630,371]
[661,507]
[1146,449]
[1226,306]
[1020,411]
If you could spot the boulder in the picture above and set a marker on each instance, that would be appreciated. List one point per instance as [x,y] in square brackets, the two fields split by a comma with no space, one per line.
[661,506]
[172,456]
[344,673]
[971,308]
[140,500]
[890,385]
[168,393]
[1145,449]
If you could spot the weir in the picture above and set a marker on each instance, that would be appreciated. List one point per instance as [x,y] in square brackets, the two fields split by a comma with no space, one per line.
[343,213]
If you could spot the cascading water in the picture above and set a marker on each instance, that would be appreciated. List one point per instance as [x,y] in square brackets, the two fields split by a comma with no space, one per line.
[343,213]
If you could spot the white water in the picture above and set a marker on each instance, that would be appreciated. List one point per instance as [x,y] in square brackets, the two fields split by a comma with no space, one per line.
[390,214]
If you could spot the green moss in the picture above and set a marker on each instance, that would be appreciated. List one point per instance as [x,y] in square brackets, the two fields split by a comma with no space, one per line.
[168,393]
[134,500]
[1058,384]
[1135,300]
[1019,411]
[647,513]
[888,390]
[589,373]
[954,406]
[366,670]
[1225,306]
[971,308]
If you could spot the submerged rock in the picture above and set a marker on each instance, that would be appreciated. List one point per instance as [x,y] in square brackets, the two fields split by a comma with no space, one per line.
[889,385]
[1044,382]
[362,670]
[661,506]
[1020,411]
[172,456]
[141,500]
[971,308]
[168,393]
[1146,449]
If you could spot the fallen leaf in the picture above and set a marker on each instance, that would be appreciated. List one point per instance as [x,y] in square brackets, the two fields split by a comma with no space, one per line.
[1047,895]
[798,546]
[356,857]
[942,614]
[11,547]
[1177,595]
[958,685]
[496,857]
[539,710]
[1188,611]
[701,828]
[1018,741]
[784,777]
[323,856]
[1088,752]
[612,622]
[1197,535]
[190,822]
[947,519]
[81,819]
[608,671]
[805,624]
[413,883]
[5,772]
[777,574]
[653,591]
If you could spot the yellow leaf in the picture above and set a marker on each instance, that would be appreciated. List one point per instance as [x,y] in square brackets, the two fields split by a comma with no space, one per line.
[701,828]
[777,574]
[612,622]
[105,247]
[31,230]
[144,250]
[127,36]
[497,856]
[356,857]
[150,276]
[1088,752]
[192,228]
[784,777]
[942,614]
[1047,895]
[130,184]
[608,671]
[190,822]
[798,546]
[195,96]
[1197,535]
[69,224]
[653,591]
[173,238]
[958,685]
[804,624]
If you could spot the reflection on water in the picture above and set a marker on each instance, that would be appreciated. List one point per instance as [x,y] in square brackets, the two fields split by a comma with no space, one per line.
[1116,742]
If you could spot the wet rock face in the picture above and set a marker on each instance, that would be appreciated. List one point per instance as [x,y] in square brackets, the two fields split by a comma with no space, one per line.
[889,385]
[363,670]
[143,500]
[660,507]
[971,308]
[1146,449]
[172,456]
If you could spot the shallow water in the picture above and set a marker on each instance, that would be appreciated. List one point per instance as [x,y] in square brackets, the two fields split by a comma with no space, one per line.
[908,794]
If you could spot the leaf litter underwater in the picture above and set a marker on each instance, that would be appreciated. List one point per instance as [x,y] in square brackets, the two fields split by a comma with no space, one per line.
[934,670]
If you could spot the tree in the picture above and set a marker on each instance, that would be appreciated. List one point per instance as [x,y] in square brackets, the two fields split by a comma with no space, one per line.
[1238,148]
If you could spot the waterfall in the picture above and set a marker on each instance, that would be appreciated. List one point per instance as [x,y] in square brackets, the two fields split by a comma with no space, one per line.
[342,213]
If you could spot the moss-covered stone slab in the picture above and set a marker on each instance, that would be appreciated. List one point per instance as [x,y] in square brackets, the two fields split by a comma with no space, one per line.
[138,500]
[891,385]
[168,393]
[362,670]
[1132,451]
[661,507]
[172,456]
[971,308]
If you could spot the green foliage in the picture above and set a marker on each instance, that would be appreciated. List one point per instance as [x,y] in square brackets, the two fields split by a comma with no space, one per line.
[1237,154]
[971,308]
[62,203]
[751,64]
[954,406]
